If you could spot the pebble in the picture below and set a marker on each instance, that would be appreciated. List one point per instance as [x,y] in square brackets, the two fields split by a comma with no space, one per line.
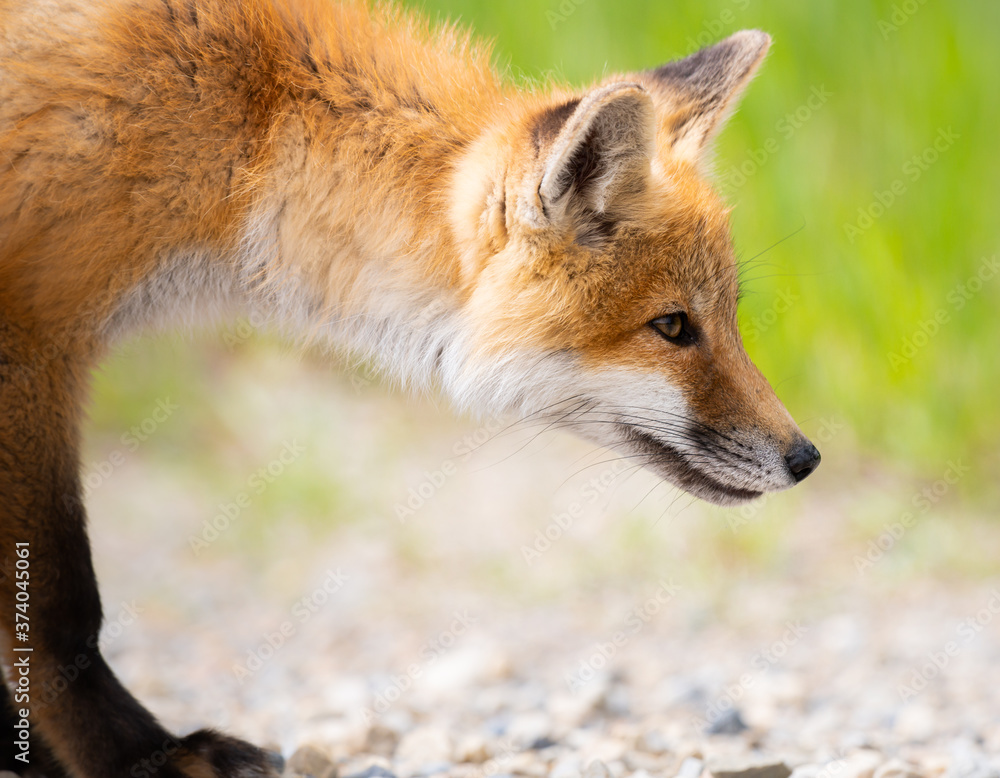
[968,762]
[651,763]
[525,763]
[374,771]
[616,701]
[729,723]
[425,745]
[764,770]
[597,769]
[653,742]
[916,722]
[309,762]
[566,767]
[529,727]
[471,748]
[861,764]
[433,768]
[690,768]
[381,741]
[896,768]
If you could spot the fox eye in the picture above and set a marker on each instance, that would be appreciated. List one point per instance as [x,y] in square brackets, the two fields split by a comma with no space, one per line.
[674,327]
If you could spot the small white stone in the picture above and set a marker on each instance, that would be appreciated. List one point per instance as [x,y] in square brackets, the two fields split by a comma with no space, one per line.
[916,722]
[807,771]
[861,764]
[566,767]
[424,745]
[690,768]
[471,748]
[597,769]
[650,763]
[653,742]
[526,763]
[309,762]
[896,768]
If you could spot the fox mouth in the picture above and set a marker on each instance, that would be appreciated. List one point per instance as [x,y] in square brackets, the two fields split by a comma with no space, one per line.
[674,466]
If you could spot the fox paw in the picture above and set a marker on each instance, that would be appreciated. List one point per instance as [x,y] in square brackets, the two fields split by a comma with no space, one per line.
[210,754]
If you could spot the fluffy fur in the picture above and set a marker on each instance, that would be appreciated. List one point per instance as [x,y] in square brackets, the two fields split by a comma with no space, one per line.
[354,177]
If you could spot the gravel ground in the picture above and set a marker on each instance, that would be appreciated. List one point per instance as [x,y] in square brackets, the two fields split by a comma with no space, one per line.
[639,683]
[527,619]
[371,664]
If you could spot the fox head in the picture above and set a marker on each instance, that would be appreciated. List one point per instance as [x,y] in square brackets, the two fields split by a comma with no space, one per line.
[602,281]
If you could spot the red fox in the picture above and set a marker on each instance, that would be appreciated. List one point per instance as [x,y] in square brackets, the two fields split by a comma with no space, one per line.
[357,176]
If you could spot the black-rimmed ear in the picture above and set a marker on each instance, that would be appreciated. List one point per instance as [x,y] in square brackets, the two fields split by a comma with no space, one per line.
[696,95]
[594,150]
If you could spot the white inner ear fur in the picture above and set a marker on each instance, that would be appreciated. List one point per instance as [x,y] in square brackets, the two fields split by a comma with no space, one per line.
[619,119]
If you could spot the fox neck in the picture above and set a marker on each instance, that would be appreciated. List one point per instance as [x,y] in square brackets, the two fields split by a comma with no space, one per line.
[362,248]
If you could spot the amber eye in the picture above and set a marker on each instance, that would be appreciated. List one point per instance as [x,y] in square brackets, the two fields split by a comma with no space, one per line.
[673,327]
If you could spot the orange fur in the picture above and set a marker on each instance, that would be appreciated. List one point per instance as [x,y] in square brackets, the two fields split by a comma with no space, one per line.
[361,177]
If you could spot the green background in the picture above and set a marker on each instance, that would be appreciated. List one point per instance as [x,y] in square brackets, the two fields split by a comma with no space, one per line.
[850,94]
[899,76]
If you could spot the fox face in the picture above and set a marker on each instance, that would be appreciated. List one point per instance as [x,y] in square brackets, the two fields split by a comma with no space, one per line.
[602,269]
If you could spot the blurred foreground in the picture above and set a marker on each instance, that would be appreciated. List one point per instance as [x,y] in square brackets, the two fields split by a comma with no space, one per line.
[299,556]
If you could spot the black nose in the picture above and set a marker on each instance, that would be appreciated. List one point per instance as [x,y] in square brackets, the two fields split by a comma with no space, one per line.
[802,459]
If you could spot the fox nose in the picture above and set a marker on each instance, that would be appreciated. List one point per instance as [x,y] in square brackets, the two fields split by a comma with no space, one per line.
[802,459]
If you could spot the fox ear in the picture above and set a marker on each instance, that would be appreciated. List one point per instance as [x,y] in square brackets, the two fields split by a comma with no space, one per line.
[695,95]
[594,150]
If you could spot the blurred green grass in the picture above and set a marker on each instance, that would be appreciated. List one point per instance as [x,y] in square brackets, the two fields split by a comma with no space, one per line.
[895,75]
[824,309]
